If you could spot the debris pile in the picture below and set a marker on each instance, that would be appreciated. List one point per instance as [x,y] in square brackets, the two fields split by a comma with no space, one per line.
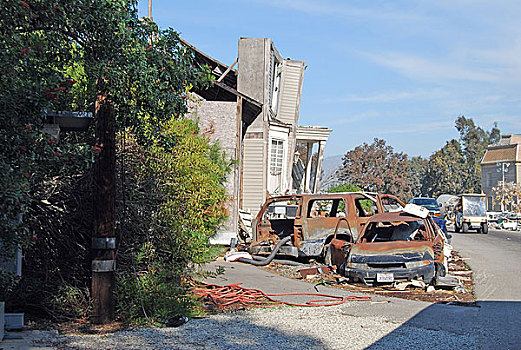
[455,288]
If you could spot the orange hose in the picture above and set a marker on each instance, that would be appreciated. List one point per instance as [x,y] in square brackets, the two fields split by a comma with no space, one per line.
[234,293]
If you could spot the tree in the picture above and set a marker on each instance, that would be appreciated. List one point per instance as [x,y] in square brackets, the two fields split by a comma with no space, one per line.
[445,171]
[507,196]
[416,174]
[474,141]
[376,167]
[65,55]
[343,187]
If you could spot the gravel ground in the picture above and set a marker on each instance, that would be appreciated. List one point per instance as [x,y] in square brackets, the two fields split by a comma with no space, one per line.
[276,328]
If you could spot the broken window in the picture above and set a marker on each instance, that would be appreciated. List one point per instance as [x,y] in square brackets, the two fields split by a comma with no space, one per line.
[391,204]
[275,79]
[365,207]
[284,209]
[395,231]
[327,208]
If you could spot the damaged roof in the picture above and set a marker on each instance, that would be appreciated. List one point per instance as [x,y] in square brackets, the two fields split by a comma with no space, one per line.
[226,88]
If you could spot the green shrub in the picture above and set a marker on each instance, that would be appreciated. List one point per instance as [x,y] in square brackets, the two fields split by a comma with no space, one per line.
[176,192]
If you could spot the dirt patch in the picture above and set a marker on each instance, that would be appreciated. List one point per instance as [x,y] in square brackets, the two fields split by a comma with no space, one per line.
[457,267]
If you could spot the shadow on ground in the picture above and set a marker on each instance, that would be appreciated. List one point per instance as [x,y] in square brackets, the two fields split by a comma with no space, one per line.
[227,331]
[491,325]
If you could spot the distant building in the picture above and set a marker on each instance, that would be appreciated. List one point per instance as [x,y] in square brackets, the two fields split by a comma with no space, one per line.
[253,112]
[501,161]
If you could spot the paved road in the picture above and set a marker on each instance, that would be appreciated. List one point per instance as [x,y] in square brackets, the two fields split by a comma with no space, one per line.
[496,261]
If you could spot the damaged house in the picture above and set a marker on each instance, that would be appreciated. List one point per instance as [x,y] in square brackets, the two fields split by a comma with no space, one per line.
[253,111]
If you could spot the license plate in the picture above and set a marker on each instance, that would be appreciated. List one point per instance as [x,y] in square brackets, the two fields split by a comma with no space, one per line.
[384,277]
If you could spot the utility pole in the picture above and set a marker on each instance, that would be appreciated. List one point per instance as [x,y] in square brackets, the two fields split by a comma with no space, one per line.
[150,9]
[103,238]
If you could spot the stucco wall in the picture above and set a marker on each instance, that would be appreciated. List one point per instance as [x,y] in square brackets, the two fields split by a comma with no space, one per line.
[218,120]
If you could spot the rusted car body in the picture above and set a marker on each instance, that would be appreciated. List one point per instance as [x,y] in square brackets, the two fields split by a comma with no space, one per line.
[313,219]
[395,246]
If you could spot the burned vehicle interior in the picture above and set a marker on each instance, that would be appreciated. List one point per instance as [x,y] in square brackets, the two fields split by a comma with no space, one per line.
[395,231]
[280,216]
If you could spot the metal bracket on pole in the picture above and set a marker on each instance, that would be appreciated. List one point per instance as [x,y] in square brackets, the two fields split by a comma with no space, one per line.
[103,265]
[104,243]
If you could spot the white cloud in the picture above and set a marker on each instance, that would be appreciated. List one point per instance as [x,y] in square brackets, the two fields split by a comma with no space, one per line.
[342,9]
[419,128]
[355,118]
[392,96]
[430,70]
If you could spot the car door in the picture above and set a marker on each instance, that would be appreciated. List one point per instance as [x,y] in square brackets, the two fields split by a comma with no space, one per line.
[321,216]
[363,206]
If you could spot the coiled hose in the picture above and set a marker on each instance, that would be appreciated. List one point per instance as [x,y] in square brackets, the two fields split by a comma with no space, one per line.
[270,257]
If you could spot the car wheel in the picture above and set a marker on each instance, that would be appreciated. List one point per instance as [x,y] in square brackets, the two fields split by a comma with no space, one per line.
[465,227]
[484,228]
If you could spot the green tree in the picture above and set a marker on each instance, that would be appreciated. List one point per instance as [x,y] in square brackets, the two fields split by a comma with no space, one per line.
[416,174]
[182,188]
[456,167]
[445,171]
[344,187]
[474,141]
[64,55]
[376,167]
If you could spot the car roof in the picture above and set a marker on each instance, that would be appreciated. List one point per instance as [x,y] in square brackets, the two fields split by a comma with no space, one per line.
[322,195]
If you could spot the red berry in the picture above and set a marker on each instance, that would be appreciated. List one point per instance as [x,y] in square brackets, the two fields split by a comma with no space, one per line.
[28,127]
[24,4]
[23,149]
[58,154]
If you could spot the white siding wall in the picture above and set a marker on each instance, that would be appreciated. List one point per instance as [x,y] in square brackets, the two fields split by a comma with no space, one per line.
[289,107]
[289,103]
[254,174]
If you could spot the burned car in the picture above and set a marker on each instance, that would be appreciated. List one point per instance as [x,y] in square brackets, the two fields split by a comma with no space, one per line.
[312,220]
[397,246]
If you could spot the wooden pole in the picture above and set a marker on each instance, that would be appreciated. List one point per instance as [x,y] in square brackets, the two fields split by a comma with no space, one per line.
[103,239]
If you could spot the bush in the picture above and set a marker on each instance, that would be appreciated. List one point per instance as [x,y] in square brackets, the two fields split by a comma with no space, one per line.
[175,200]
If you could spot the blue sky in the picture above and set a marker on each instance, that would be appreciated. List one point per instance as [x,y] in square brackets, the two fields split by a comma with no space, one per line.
[398,70]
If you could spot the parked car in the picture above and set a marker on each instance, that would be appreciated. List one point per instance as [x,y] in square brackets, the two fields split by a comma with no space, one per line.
[429,203]
[434,209]
[397,246]
[313,219]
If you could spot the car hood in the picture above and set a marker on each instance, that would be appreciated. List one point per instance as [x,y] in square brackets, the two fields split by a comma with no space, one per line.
[396,251]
